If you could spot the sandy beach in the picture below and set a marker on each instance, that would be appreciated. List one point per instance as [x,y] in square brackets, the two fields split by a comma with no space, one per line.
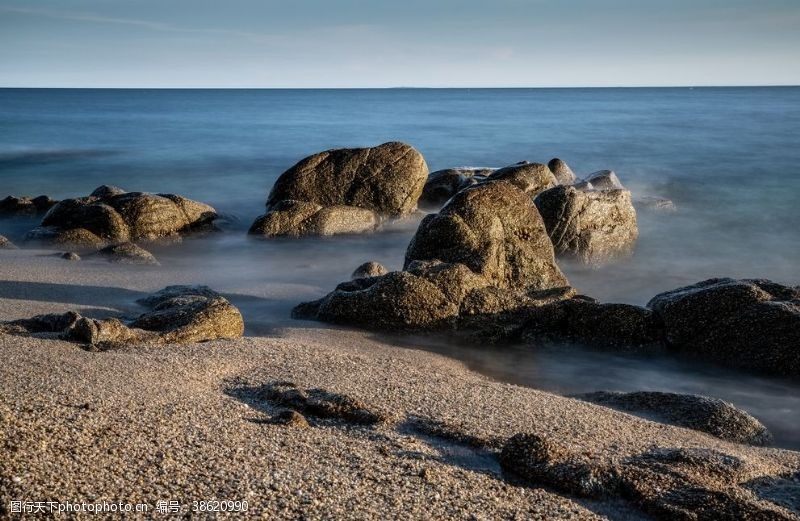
[142,424]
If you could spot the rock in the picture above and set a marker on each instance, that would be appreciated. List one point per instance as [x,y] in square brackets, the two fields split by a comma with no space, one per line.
[359,185]
[701,413]
[291,418]
[369,269]
[110,215]
[70,256]
[604,180]
[494,230]
[444,184]
[749,324]
[320,403]
[655,204]
[178,315]
[592,226]
[562,171]
[300,219]
[6,244]
[25,206]
[127,253]
[531,178]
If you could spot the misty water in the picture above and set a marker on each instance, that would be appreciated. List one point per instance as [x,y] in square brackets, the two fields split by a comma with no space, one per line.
[729,158]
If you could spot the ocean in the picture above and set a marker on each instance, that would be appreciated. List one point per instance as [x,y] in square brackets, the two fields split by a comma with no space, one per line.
[729,158]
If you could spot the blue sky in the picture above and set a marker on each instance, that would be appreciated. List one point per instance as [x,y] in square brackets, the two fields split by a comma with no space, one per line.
[350,43]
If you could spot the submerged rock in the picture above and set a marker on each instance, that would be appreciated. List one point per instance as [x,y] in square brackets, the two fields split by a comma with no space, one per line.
[127,253]
[444,184]
[653,203]
[178,314]
[70,256]
[562,171]
[592,226]
[110,215]
[25,206]
[749,324]
[6,244]
[701,413]
[369,269]
[346,190]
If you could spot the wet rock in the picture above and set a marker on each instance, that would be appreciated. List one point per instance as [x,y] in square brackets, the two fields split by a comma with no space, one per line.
[354,188]
[6,244]
[749,324]
[562,171]
[604,180]
[444,184]
[127,253]
[25,206]
[592,226]
[301,219]
[320,403]
[654,204]
[112,216]
[369,269]
[291,419]
[179,314]
[701,413]
[494,230]
[531,178]
[70,256]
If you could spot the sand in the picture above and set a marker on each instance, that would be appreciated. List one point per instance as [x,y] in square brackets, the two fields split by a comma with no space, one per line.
[143,424]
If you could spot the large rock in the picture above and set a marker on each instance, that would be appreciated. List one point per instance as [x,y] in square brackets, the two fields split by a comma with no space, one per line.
[178,314]
[444,184]
[110,215]
[701,413]
[562,171]
[593,226]
[531,178]
[494,230]
[749,324]
[25,206]
[359,185]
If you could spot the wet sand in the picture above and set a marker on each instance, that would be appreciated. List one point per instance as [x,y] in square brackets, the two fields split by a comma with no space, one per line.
[143,424]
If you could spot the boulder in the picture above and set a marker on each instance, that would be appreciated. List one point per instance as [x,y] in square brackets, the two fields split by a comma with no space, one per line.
[444,184]
[749,324]
[6,244]
[359,185]
[301,219]
[177,314]
[592,226]
[25,206]
[561,170]
[531,178]
[127,253]
[701,413]
[369,269]
[110,215]
[494,230]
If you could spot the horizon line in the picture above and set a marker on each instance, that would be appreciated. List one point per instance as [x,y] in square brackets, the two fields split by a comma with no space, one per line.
[779,85]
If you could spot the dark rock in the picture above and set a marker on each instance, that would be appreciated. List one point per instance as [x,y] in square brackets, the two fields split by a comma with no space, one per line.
[5,244]
[494,230]
[291,418]
[48,323]
[354,188]
[369,269]
[604,180]
[444,184]
[531,178]
[749,324]
[25,206]
[170,293]
[301,218]
[127,253]
[592,226]
[701,413]
[112,216]
[320,403]
[562,171]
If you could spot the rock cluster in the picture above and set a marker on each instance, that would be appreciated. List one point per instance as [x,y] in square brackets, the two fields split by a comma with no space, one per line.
[349,190]
[177,315]
[25,206]
[110,215]
[701,413]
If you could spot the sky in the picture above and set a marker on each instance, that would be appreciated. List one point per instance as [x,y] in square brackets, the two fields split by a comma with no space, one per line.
[407,43]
